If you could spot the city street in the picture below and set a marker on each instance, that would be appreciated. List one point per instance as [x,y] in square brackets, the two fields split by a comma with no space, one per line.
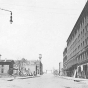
[44,81]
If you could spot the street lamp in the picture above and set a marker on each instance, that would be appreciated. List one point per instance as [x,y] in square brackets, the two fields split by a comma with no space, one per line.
[10,14]
[11,18]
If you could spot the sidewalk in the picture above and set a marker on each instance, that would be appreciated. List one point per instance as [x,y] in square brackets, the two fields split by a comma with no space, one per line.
[74,79]
[20,77]
[11,78]
[8,78]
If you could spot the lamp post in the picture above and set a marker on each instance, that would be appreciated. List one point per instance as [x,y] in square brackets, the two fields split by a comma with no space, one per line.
[10,14]
[11,18]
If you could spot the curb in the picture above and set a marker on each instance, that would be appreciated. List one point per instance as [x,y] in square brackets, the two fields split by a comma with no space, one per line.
[13,78]
[74,79]
[24,77]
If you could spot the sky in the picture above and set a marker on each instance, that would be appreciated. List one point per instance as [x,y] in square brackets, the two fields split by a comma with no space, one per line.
[39,27]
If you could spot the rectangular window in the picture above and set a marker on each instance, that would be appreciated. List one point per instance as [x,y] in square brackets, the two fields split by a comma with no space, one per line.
[83,43]
[83,31]
[86,41]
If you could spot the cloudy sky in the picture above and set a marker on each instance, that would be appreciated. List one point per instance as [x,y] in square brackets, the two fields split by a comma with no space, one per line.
[39,27]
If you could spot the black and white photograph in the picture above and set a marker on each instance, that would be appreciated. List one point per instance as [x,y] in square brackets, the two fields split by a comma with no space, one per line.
[43,43]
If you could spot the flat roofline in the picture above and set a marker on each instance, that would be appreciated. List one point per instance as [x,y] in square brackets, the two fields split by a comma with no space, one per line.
[77,24]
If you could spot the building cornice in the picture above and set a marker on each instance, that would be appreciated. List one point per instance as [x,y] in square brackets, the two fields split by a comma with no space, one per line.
[80,19]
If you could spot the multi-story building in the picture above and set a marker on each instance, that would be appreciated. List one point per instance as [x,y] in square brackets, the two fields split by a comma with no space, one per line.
[77,47]
[64,61]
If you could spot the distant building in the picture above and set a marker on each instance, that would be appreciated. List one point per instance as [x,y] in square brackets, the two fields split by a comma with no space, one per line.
[19,66]
[28,67]
[39,67]
[6,67]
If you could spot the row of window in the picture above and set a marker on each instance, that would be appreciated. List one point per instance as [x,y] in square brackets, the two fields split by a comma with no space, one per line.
[82,45]
[65,58]
[77,31]
[81,57]
[77,41]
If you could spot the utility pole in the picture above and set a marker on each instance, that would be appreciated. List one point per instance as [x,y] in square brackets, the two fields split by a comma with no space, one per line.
[40,56]
[10,14]
[59,68]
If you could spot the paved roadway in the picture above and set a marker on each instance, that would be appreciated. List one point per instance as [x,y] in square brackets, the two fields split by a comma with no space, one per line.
[45,81]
